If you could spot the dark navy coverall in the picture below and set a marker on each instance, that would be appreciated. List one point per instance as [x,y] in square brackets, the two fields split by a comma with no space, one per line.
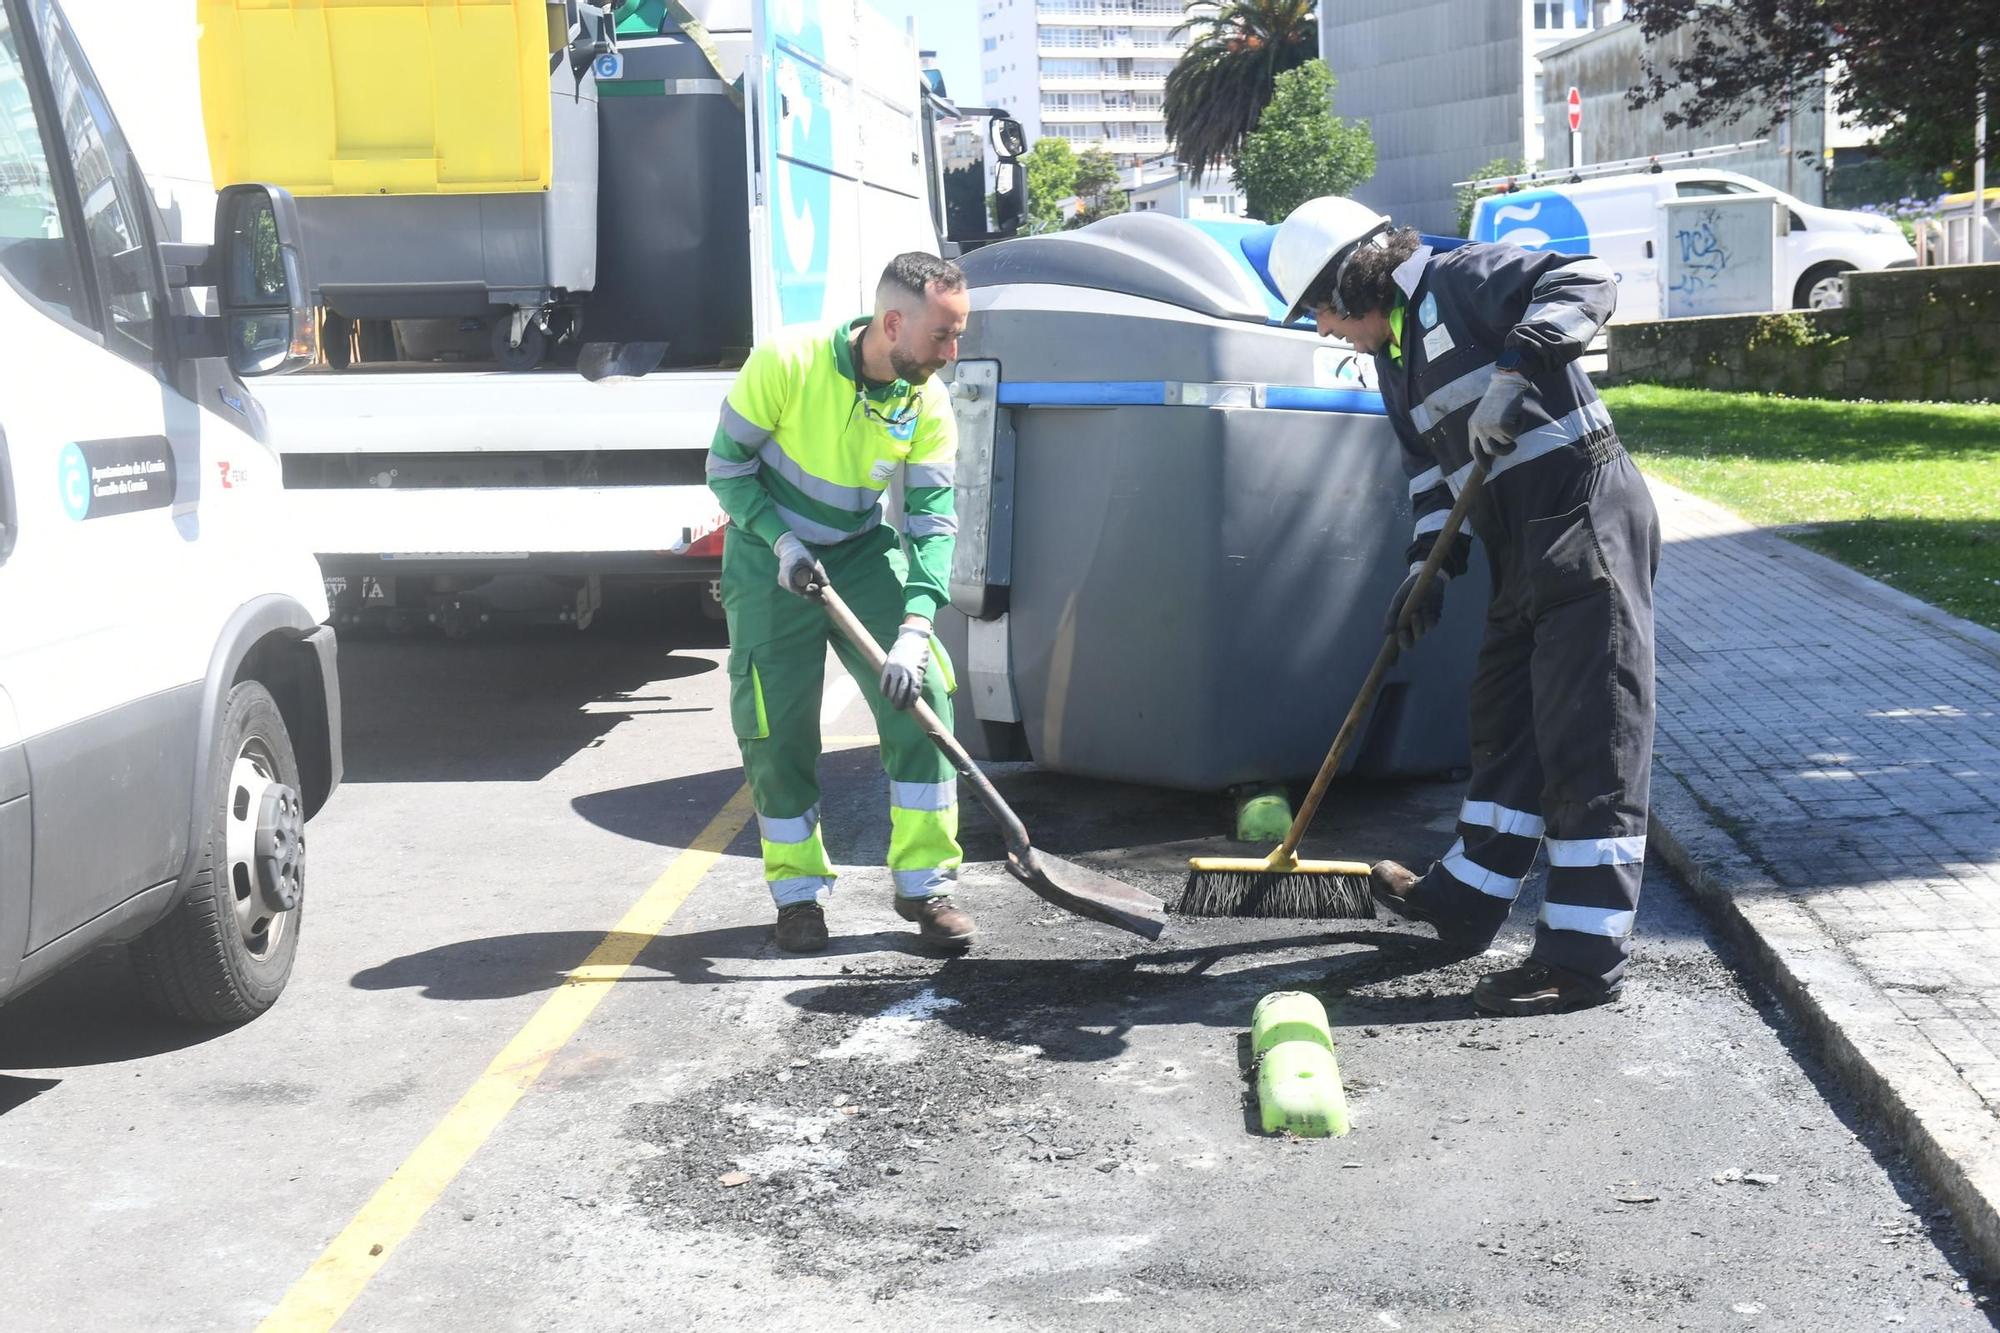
[1562,699]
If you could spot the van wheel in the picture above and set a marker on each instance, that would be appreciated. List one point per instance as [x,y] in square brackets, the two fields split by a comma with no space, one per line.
[1822,287]
[224,953]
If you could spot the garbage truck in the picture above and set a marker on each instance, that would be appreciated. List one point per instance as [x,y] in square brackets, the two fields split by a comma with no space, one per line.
[758,161]
[1180,517]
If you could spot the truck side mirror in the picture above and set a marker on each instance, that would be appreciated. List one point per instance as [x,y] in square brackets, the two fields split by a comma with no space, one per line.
[1010,141]
[1010,182]
[267,322]
[1010,199]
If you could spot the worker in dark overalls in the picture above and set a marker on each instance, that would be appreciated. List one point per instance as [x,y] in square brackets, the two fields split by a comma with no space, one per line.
[1476,353]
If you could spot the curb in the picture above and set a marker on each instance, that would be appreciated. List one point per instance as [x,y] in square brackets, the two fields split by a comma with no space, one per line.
[1943,1126]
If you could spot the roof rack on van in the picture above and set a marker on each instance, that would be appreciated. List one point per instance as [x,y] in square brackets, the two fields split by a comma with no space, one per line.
[1521,180]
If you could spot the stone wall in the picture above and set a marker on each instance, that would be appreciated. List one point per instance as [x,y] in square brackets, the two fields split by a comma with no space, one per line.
[1906,334]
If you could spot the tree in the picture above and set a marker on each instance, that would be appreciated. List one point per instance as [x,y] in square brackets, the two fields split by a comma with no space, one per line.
[1909,66]
[1468,198]
[1096,188]
[1051,171]
[1226,77]
[1300,149]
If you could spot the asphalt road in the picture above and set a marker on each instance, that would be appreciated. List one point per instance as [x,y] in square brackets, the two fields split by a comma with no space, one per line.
[434,1131]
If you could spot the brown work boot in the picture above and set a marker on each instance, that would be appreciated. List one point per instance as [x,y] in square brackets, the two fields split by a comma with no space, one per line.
[938,919]
[801,928]
[1393,885]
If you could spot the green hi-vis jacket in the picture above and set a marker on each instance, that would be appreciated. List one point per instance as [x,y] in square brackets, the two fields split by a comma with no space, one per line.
[805,446]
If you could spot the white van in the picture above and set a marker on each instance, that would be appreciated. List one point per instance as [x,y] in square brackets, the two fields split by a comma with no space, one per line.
[169,705]
[1617,218]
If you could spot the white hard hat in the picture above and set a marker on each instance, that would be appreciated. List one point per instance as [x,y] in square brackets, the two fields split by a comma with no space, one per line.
[1317,233]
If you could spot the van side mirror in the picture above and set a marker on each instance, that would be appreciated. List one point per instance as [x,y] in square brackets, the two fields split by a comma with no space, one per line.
[266,321]
[261,287]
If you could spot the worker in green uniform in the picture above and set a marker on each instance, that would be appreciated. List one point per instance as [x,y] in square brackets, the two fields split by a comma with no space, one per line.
[817,426]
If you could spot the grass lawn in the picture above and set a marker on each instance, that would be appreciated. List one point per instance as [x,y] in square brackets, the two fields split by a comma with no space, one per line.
[1908,493]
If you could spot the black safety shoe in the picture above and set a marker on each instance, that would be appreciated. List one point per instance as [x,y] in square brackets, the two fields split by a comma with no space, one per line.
[938,919]
[1537,988]
[1392,884]
[801,928]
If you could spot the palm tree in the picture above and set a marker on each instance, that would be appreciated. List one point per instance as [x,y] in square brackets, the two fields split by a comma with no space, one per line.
[1221,83]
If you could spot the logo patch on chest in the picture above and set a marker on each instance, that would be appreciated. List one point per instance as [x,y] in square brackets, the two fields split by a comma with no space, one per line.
[1427,313]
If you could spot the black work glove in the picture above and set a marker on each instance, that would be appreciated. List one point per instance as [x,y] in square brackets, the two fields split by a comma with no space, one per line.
[1410,620]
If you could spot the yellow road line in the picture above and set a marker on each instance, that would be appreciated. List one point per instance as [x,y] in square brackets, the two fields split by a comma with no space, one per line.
[318,1299]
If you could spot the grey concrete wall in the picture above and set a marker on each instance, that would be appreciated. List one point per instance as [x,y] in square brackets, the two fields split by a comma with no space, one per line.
[1439,83]
[1606,64]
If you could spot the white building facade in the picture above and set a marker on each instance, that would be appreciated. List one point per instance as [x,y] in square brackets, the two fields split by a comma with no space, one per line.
[1093,72]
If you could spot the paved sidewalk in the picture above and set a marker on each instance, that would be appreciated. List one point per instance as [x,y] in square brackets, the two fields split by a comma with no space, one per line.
[1828,776]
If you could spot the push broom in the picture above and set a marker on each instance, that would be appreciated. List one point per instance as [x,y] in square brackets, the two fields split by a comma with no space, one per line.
[1281,885]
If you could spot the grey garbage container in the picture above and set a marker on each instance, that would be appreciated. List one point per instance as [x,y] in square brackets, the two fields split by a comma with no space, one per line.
[1180,524]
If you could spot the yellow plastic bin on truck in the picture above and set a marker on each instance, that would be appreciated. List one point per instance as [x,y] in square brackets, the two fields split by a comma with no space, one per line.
[445,165]
[378,97]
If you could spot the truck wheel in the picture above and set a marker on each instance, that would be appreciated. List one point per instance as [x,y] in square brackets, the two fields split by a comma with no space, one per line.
[224,953]
[533,348]
[1822,287]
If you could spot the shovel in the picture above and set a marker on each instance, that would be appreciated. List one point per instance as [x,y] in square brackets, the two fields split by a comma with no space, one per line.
[1064,883]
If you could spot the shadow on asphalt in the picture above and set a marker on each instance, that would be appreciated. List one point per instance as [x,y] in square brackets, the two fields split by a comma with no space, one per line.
[1074,1009]
[500,709]
[505,966]
[1150,829]
[88,1014]
[19,1091]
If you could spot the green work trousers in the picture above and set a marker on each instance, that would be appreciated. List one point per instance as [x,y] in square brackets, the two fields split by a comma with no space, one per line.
[777,662]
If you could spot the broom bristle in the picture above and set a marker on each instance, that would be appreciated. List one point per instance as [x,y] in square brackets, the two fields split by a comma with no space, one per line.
[1297,894]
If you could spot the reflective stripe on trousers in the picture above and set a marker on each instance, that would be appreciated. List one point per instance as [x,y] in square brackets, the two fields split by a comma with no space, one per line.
[1562,721]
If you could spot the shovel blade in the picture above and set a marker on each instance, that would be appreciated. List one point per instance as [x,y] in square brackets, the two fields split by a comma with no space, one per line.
[1089,894]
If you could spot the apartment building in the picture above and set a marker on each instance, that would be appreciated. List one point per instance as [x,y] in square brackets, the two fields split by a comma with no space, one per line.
[1093,72]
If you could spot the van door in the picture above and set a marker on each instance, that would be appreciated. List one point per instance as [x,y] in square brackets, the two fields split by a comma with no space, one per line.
[16,830]
[100,592]
[836,172]
[1615,225]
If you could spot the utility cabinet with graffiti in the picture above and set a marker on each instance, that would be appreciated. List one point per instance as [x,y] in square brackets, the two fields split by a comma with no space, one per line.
[1719,255]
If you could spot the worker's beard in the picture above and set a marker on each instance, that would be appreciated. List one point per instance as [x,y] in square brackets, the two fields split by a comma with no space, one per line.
[911,370]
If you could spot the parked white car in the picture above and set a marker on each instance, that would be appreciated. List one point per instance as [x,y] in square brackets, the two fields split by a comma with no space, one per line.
[169,704]
[1617,218]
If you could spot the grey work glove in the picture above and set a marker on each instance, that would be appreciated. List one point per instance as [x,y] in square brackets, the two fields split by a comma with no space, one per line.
[1410,621]
[903,673]
[797,570]
[1497,419]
